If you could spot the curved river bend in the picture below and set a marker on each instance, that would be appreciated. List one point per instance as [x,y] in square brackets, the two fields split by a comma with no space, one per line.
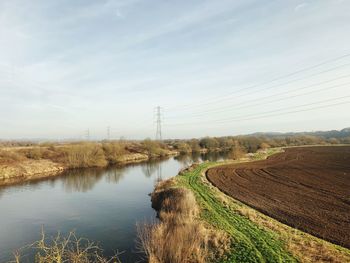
[100,204]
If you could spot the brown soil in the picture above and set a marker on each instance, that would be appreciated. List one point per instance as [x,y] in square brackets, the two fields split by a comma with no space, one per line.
[307,188]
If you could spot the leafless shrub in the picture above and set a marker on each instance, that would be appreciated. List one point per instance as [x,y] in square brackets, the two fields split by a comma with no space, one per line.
[153,148]
[61,249]
[84,155]
[113,151]
[237,152]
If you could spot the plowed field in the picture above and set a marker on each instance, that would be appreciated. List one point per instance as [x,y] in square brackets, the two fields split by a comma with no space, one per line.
[307,188]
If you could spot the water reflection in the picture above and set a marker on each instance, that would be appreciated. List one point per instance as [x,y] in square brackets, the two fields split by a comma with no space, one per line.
[153,168]
[115,175]
[214,156]
[196,157]
[184,159]
[101,212]
[34,185]
[83,180]
[150,168]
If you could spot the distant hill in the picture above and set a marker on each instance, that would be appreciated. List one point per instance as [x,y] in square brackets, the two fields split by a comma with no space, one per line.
[325,134]
[346,130]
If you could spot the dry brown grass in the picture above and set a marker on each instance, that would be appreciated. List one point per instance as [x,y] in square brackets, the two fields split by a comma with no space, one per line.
[154,148]
[73,155]
[83,155]
[34,153]
[61,249]
[8,157]
[113,151]
[179,236]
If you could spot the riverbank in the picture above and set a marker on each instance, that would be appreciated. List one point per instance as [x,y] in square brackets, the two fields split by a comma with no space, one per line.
[21,161]
[291,187]
[20,164]
[254,237]
[101,204]
[38,169]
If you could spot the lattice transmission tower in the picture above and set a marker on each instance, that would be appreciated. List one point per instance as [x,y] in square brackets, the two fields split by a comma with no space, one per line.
[159,123]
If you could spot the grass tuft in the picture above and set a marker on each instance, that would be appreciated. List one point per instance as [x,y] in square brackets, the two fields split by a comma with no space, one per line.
[179,236]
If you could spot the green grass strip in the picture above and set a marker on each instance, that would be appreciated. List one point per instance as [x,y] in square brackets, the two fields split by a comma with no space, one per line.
[250,243]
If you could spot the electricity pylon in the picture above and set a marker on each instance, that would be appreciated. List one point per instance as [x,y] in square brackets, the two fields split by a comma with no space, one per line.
[159,124]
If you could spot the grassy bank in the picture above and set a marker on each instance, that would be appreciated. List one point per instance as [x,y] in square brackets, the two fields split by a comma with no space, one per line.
[37,161]
[250,242]
[254,236]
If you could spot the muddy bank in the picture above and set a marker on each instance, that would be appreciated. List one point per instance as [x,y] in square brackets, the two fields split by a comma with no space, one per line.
[306,188]
[28,170]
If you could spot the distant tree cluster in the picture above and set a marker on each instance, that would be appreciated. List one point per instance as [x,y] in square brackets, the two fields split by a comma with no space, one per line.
[153,148]
[97,154]
[237,145]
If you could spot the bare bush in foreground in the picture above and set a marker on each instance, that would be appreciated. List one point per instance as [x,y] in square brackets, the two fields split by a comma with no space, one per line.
[61,249]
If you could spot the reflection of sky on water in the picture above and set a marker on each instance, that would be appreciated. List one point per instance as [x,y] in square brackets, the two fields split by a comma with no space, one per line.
[101,204]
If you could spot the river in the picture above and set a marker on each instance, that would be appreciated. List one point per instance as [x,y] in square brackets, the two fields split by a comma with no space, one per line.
[102,205]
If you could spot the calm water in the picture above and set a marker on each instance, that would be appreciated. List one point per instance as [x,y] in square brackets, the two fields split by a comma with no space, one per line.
[100,204]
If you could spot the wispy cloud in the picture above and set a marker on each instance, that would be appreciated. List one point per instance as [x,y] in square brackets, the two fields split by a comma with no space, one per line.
[98,60]
[301,6]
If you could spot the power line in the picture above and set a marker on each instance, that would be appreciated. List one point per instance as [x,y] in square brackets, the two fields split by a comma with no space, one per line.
[267,114]
[226,97]
[295,111]
[219,98]
[299,106]
[277,114]
[244,104]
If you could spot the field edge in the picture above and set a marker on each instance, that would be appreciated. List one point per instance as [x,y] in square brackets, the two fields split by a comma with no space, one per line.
[291,244]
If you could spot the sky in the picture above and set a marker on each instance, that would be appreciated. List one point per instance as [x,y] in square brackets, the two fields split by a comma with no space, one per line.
[214,67]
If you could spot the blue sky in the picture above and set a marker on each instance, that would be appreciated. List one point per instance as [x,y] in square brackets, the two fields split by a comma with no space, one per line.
[216,67]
